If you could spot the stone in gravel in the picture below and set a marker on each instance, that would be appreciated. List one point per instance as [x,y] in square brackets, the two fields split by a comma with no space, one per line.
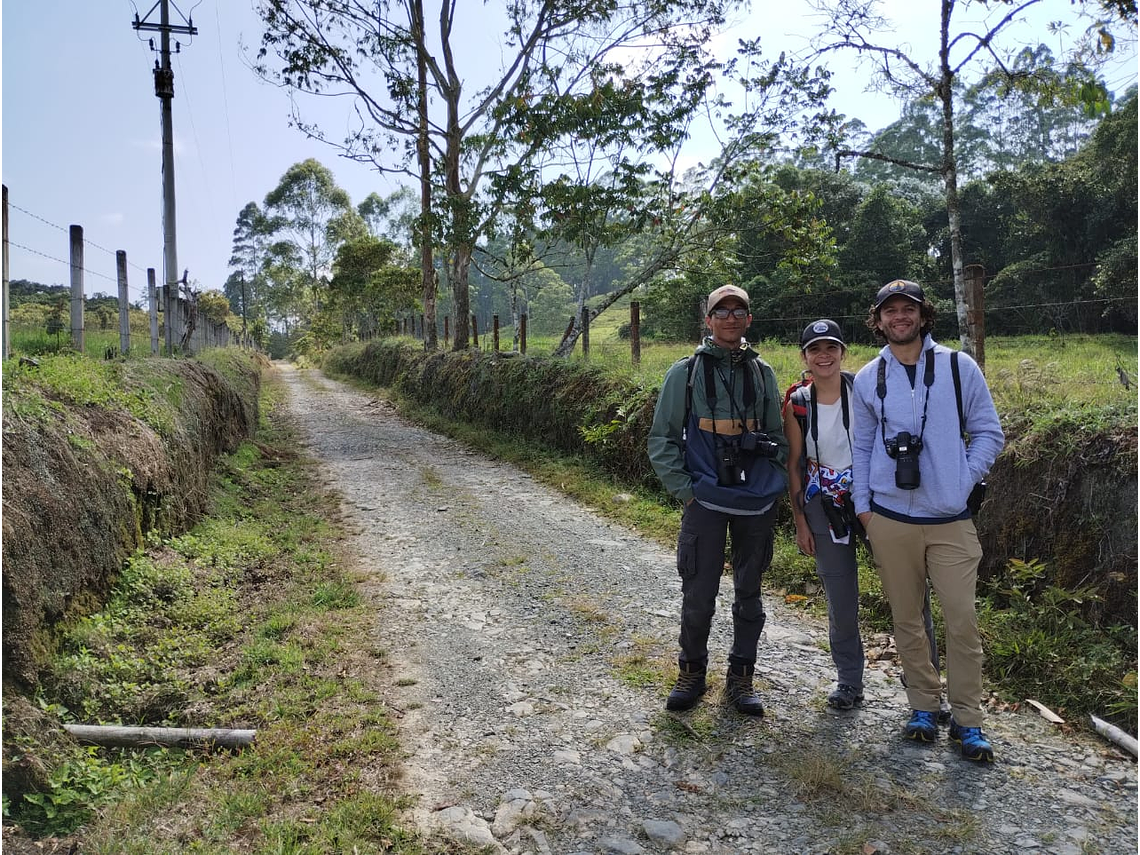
[664,833]
[620,846]
[1074,798]
[625,743]
[461,824]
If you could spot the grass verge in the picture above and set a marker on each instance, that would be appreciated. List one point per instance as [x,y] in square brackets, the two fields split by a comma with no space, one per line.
[250,620]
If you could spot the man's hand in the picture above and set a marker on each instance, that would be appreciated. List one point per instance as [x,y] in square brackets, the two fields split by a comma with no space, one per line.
[865,518]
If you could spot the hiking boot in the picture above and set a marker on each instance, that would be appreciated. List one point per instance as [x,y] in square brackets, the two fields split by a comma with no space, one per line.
[738,690]
[845,697]
[944,711]
[688,689]
[975,746]
[922,727]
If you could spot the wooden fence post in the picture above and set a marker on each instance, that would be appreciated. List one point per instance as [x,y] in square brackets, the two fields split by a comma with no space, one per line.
[152,310]
[475,330]
[585,332]
[124,303]
[635,331]
[976,310]
[522,334]
[78,339]
[6,344]
[495,327]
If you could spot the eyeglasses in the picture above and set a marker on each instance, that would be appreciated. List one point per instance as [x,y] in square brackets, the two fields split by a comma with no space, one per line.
[721,314]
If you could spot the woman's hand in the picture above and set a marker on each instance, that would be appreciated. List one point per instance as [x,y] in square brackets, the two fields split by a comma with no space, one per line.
[805,540]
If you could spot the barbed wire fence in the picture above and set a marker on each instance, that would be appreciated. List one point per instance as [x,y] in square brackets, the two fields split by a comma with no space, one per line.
[176,325]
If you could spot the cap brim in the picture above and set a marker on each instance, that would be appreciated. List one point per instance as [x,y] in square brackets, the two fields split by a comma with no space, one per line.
[812,341]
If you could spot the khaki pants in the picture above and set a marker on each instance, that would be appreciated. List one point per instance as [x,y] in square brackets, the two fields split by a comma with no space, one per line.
[949,553]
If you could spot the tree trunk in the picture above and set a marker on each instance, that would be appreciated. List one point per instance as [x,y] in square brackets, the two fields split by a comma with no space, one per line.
[427,263]
[950,179]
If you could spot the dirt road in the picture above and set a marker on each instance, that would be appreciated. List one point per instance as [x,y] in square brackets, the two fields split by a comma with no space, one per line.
[517,624]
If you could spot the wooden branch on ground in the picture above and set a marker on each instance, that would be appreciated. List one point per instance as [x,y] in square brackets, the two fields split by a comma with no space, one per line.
[167,737]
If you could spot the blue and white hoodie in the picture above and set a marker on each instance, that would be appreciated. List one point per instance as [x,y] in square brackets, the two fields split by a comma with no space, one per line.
[948,470]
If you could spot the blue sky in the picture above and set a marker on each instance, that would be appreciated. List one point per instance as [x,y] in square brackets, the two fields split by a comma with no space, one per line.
[81,132]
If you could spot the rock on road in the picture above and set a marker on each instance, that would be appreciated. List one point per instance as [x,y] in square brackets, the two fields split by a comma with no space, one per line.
[515,619]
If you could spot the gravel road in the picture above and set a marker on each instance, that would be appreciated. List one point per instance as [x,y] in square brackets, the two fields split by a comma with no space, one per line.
[514,622]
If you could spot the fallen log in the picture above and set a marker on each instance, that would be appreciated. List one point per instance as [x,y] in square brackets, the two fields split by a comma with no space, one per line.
[167,737]
[1114,734]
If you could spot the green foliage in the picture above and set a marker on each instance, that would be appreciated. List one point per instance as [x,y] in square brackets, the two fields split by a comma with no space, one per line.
[77,380]
[75,790]
[1038,645]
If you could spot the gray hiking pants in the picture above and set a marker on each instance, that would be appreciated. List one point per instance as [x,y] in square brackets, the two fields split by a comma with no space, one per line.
[837,569]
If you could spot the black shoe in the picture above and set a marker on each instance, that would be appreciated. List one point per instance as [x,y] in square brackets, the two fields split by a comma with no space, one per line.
[845,697]
[688,689]
[738,690]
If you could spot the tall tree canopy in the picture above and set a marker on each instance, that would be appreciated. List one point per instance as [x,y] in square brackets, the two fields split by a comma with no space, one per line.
[309,208]
[609,69]
[962,47]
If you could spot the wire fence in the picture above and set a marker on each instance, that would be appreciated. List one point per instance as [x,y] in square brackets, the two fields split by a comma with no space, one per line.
[176,324]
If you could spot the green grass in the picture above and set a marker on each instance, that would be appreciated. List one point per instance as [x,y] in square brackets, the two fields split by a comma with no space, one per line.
[251,621]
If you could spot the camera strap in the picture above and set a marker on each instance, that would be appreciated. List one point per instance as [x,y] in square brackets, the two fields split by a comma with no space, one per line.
[881,391]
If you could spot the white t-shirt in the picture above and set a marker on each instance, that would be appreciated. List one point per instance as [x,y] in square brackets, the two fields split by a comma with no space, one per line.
[834,450]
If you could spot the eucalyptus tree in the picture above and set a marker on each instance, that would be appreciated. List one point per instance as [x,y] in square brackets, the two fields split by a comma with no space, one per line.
[857,25]
[555,58]
[371,280]
[310,210]
[253,235]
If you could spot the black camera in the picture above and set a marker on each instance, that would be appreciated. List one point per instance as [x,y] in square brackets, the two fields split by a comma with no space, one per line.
[841,516]
[904,448]
[977,496]
[758,443]
[729,472]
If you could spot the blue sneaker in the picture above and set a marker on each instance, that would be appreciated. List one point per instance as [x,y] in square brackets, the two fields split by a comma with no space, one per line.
[975,746]
[922,727]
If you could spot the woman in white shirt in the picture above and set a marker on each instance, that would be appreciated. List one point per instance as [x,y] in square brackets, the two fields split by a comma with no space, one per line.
[817,422]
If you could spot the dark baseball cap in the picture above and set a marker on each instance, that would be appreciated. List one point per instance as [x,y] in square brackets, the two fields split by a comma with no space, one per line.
[899,288]
[824,329]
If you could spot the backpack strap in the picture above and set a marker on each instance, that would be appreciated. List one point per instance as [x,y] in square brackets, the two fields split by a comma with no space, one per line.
[958,396]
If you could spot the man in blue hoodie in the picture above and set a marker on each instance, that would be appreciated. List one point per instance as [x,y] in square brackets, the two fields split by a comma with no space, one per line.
[717,444]
[914,472]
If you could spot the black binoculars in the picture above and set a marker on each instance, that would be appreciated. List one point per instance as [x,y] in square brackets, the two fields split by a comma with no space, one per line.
[841,516]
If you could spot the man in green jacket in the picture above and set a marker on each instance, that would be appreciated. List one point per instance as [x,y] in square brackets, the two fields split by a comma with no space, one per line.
[717,444]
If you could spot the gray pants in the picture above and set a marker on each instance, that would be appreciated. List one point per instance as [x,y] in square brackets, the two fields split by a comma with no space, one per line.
[700,562]
[835,563]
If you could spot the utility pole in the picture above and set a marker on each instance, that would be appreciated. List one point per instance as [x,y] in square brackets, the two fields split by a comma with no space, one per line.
[164,89]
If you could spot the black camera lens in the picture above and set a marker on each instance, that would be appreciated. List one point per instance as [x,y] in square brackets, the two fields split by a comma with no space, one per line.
[904,448]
